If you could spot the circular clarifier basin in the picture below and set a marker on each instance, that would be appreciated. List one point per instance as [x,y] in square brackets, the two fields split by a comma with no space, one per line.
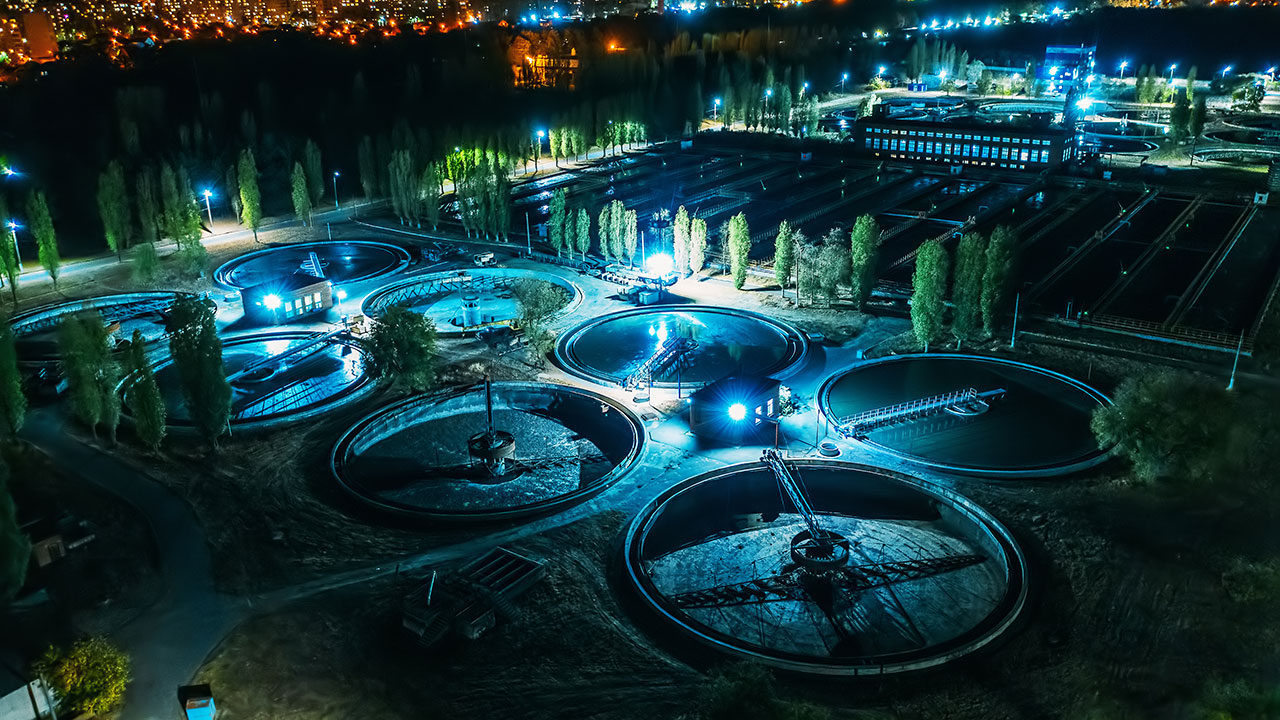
[422,457]
[919,576]
[341,262]
[1025,421]
[36,331]
[1109,144]
[459,300]
[719,342]
[277,378]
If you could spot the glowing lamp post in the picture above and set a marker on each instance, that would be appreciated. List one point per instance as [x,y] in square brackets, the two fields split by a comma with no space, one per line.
[1226,70]
[1123,64]
[843,79]
[715,109]
[13,231]
[335,188]
[537,153]
[737,412]
[208,208]
[1171,69]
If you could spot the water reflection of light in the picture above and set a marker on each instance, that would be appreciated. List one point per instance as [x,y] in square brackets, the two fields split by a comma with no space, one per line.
[271,348]
[659,331]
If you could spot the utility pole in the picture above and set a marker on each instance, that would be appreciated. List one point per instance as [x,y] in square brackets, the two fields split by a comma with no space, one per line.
[1231,384]
[527,235]
[1013,339]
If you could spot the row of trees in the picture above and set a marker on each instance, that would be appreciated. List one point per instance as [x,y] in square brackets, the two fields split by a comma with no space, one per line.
[983,269]
[40,225]
[689,242]
[1150,85]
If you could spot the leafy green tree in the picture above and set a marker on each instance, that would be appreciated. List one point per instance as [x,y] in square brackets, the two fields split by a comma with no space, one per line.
[996,276]
[1168,426]
[617,230]
[1253,96]
[13,403]
[91,371]
[404,186]
[966,286]
[832,265]
[605,230]
[1195,124]
[784,251]
[402,349]
[197,354]
[864,250]
[739,249]
[630,235]
[89,677]
[300,194]
[143,397]
[583,235]
[1179,118]
[171,203]
[697,245]
[314,168]
[15,548]
[1191,83]
[46,239]
[186,230]
[556,220]
[428,190]
[250,196]
[146,263]
[113,208]
[680,241]
[986,82]
[8,252]
[233,191]
[928,293]
[538,302]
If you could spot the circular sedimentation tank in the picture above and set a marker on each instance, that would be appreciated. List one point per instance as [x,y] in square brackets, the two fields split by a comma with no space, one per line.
[277,378]
[1238,155]
[341,262]
[418,457]
[726,341]
[919,575]
[1110,144]
[36,331]
[1038,426]
[460,299]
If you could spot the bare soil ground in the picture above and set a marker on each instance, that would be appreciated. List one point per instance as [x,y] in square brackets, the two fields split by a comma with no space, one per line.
[570,653]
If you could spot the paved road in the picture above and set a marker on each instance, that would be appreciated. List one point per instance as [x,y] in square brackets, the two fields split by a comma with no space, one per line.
[169,641]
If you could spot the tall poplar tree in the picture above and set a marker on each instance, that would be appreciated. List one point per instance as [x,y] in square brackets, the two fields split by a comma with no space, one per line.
[864,256]
[146,404]
[556,221]
[629,235]
[996,276]
[928,293]
[314,168]
[680,241]
[697,245]
[605,230]
[783,256]
[583,234]
[300,194]
[13,403]
[250,196]
[739,246]
[8,252]
[113,208]
[197,353]
[46,239]
[966,286]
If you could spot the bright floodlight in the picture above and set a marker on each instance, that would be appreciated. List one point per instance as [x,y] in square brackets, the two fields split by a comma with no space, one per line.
[717,102]
[1226,70]
[845,76]
[737,412]
[8,171]
[342,294]
[660,264]
[208,193]
[338,174]
[882,69]
[541,133]
[271,302]
[1124,64]
[1084,103]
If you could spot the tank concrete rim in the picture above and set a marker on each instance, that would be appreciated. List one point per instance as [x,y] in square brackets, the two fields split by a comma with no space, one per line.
[357,389]
[375,303]
[1094,458]
[796,341]
[221,276]
[1010,608]
[1236,152]
[353,434]
[58,309]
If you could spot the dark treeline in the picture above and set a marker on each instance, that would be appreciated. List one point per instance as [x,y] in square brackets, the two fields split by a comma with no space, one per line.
[196,106]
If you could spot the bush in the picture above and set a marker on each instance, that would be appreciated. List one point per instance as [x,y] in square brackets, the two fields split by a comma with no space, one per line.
[746,691]
[89,677]
[1251,582]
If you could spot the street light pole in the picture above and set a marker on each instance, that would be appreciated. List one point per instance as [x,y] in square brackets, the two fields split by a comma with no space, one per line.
[13,231]
[1231,384]
[537,153]
[1123,64]
[335,189]
[1013,339]
[207,208]
[1171,69]
[843,78]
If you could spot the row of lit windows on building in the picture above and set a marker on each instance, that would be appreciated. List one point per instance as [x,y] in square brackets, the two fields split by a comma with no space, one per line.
[305,304]
[939,134]
[960,150]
